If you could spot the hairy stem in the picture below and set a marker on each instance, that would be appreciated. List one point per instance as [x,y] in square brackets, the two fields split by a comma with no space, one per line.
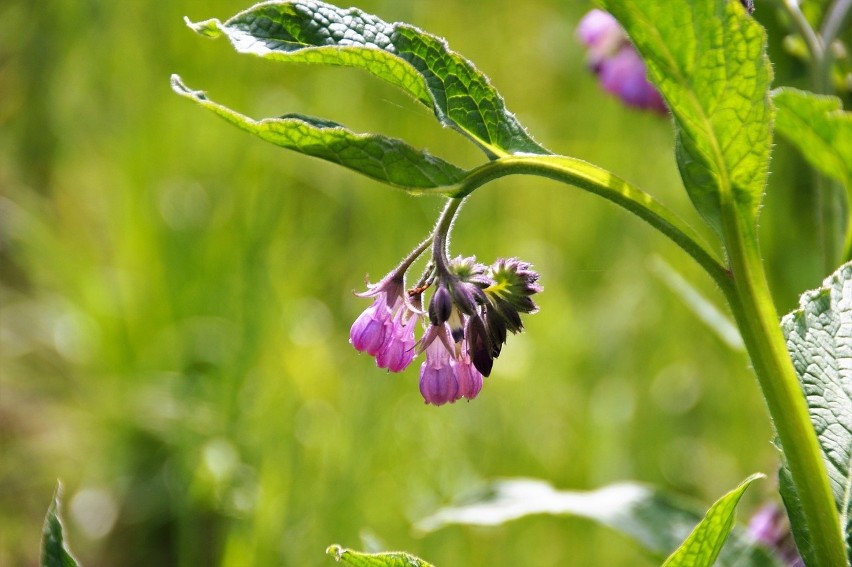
[754,311]
[441,235]
[591,178]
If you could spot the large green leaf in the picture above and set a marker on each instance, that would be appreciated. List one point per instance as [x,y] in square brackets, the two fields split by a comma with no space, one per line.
[704,544]
[386,159]
[819,339]
[421,64]
[657,521]
[388,559]
[819,128]
[54,550]
[708,58]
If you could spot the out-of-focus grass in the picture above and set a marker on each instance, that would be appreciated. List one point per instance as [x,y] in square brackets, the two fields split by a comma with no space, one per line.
[176,297]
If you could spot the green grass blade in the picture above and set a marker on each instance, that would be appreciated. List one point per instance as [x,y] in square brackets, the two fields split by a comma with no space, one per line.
[708,58]
[419,63]
[386,159]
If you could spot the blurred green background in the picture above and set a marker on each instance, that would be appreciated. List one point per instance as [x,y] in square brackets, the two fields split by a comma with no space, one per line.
[177,295]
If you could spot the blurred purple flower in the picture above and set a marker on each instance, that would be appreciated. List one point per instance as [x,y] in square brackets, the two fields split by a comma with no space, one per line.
[769,527]
[612,57]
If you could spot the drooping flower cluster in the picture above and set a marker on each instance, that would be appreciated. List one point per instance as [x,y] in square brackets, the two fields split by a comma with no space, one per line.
[472,309]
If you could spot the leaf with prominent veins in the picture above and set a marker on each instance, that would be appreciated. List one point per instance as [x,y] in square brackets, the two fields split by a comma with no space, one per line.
[819,339]
[709,61]
[386,159]
[305,31]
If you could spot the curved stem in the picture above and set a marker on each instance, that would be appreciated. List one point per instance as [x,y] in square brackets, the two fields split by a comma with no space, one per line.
[754,311]
[814,42]
[836,19]
[441,235]
[591,178]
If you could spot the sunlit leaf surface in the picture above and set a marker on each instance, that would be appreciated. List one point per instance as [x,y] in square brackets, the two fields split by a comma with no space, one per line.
[417,62]
[708,58]
[385,159]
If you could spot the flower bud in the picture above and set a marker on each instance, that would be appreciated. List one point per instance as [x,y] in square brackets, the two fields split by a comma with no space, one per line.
[440,306]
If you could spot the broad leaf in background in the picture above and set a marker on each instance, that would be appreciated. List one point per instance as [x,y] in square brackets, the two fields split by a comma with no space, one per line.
[386,159]
[703,545]
[819,339]
[417,62]
[708,58]
[819,128]
[54,550]
[389,559]
[655,520]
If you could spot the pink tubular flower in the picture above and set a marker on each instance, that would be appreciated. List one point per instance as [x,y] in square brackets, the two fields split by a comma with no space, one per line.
[614,60]
[386,328]
[439,383]
[447,374]
[470,380]
[398,348]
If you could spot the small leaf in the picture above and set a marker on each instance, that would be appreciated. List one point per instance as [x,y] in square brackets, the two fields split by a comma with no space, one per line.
[385,159]
[819,128]
[657,521]
[708,58]
[703,545]
[388,559]
[54,550]
[819,339]
[419,63]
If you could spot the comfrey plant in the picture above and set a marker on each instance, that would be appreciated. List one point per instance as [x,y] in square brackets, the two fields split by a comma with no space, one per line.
[704,64]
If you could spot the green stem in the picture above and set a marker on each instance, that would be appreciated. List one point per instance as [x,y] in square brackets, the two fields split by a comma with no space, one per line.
[591,178]
[751,302]
[441,235]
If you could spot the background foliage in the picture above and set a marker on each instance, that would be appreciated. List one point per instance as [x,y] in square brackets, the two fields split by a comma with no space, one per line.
[176,298]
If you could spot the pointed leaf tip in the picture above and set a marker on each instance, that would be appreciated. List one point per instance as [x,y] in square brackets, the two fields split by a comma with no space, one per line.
[54,548]
[211,28]
[702,547]
[387,559]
